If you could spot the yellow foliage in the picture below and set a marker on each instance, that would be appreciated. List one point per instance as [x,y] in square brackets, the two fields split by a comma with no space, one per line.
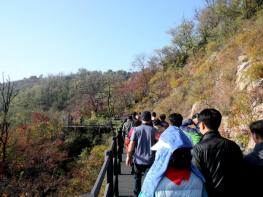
[255,71]
[241,109]
[242,37]
[212,46]
[178,82]
[256,51]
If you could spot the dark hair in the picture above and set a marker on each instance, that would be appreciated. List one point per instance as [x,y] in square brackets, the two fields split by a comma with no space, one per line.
[137,123]
[130,117]
[211,118]
[146,116]
[257,128]
[134,114]
[181,158]
[156,122]
[162,117]
[176,119]
[154,114]
[195,115]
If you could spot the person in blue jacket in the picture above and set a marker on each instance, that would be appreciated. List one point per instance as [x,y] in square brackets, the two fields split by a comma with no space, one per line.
[170,175]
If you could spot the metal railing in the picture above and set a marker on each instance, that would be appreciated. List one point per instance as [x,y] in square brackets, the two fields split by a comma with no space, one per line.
[110,169]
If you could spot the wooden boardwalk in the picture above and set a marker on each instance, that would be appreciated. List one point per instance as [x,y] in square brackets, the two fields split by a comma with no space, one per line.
[125,180]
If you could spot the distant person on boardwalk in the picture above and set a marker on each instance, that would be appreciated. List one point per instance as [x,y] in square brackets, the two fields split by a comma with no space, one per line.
[127,126]
[81,121]
[191,129]
[142,139]
[154,116]
[138,117]
[135,116]
[220,160]
[254,161]
[128,136]
[160,128]
[172,173]
[128,139]
[163,122]
[70,120]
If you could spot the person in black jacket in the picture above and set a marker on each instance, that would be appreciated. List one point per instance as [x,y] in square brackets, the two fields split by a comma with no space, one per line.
[254,161]
[220,160]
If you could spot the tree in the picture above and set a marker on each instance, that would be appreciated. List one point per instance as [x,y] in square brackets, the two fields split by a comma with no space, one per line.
[183,37]
[8,93]
[143,76]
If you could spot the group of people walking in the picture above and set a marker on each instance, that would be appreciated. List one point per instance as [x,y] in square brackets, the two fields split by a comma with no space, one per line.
[190,158]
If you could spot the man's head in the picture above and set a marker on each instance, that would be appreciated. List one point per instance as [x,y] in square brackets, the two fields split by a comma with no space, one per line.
[134,114]
[256,129]
[138,117]
[195,118]
[146,116]
[176,119]
[157,124]
[209,120]
[162,117]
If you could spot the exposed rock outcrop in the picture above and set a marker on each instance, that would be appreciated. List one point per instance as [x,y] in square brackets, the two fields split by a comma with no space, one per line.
[242,81]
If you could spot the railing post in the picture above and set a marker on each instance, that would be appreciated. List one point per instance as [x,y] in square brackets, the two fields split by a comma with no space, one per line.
[120,149]
[115,167]
[110,173]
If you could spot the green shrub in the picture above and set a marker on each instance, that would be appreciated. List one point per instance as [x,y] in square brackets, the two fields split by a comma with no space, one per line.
[243,140]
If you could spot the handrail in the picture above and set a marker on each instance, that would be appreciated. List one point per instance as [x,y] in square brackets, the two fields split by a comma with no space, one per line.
[111,168]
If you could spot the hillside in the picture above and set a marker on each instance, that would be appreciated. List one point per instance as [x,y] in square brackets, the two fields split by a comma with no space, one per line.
[227,73]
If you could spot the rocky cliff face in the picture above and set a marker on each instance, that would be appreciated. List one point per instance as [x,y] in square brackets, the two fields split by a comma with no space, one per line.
[243,83]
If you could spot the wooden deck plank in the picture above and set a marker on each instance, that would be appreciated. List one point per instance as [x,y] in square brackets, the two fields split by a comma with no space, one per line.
[125,180]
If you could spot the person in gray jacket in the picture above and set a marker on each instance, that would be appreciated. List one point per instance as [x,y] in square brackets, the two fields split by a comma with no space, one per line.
[127,126]
[142,139]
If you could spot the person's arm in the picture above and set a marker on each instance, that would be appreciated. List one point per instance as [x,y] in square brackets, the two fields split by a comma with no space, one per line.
[131,148]
[187,122]
[185,126]
[129,153]
[196,159]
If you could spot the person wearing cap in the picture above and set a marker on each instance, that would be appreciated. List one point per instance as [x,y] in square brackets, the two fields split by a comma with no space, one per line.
[191,129]
[141,141]
[172,173]
[220,160]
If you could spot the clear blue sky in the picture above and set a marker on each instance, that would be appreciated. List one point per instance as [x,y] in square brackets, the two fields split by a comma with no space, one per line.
[53,36]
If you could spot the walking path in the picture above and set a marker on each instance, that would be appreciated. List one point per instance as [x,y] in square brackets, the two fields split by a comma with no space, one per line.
[125,180]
